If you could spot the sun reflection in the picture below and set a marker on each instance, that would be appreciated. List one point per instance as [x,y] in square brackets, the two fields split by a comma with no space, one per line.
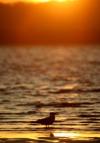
[66,134]
[76,135]
[53,136]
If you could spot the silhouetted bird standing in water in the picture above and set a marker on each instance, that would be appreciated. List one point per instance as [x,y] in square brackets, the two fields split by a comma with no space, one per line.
[48,120]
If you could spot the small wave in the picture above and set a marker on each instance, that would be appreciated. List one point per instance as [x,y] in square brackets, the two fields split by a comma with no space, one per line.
[89,116]
[62,104]
[5,101]
[26,104]
[49,139]
[81,90]
[22,86]
[19,113]
[15,122]
[97,63]
[3,87]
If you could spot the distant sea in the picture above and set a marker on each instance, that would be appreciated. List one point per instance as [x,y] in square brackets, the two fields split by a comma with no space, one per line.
[37,80]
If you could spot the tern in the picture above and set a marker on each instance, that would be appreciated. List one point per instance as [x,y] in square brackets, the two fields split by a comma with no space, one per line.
[48,120]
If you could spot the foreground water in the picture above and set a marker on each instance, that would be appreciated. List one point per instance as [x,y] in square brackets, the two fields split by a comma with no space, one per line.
[35,81]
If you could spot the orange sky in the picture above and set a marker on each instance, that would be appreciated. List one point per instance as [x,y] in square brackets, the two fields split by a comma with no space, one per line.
[7,1]
[77,21]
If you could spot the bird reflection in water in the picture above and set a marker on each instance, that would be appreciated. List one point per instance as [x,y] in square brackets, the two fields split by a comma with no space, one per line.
[55,136]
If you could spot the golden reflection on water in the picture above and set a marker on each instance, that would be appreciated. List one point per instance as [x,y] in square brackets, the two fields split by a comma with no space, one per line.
[65,134]
[51,135]
[19,135]
[76,135]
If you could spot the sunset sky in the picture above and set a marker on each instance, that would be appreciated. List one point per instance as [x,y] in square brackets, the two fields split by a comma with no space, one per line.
[7,1]
[75,21]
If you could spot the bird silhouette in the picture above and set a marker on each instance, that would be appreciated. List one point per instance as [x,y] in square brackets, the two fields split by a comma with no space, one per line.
[48,120]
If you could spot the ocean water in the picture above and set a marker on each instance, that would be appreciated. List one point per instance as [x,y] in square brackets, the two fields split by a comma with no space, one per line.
[37,80]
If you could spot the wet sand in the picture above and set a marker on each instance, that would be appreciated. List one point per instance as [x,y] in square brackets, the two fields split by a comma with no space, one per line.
[49,136]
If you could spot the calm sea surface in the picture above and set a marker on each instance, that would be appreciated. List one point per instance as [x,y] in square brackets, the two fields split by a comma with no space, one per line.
[35,81]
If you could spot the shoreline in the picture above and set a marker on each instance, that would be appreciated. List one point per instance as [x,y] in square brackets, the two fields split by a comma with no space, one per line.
[48,136]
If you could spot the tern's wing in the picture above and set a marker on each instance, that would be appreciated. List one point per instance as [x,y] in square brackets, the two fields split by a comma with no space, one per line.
[43,121]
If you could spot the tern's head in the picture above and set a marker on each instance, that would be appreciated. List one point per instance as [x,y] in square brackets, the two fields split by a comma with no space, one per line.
[53,114]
